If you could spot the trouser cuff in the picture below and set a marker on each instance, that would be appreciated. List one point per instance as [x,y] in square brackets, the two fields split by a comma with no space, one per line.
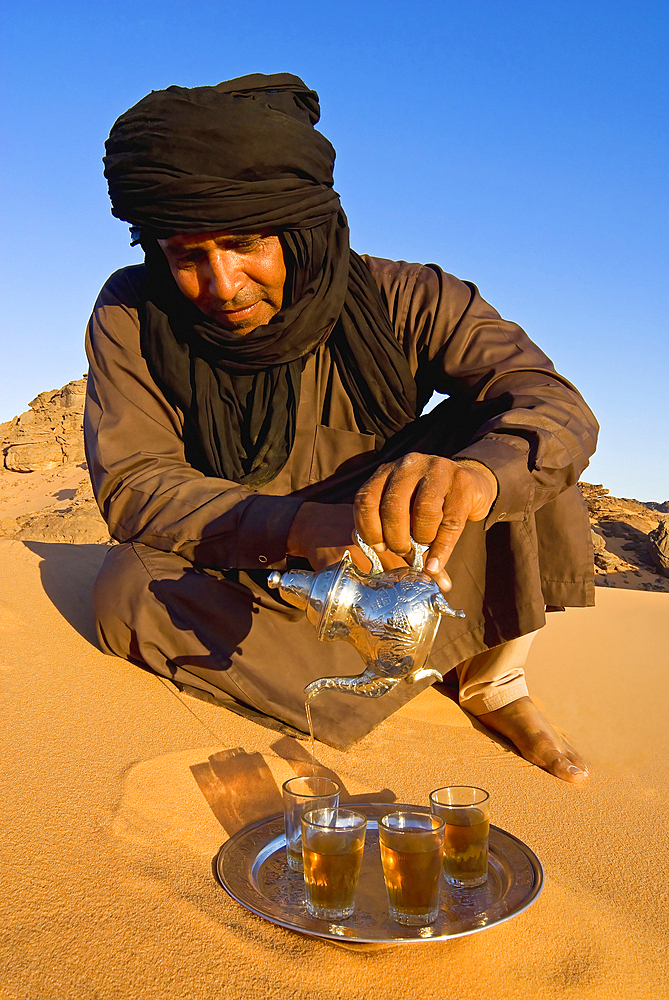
[495,677]
[497,697]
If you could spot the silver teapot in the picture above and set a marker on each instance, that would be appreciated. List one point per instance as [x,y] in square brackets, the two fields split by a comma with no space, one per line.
[390,617]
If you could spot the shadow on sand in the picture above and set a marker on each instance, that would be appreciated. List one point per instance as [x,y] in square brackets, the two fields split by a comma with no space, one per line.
[241,789]
[68,573]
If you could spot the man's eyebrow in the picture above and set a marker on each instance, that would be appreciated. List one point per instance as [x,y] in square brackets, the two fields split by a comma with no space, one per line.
[229,239]
[233,238]
[183,248]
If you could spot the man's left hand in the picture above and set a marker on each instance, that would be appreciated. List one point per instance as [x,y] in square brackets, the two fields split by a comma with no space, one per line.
[425,497]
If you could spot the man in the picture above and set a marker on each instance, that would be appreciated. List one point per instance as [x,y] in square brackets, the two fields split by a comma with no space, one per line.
[254,396]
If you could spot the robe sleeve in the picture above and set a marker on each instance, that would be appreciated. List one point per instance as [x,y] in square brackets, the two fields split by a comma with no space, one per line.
[458,345]
[144,486]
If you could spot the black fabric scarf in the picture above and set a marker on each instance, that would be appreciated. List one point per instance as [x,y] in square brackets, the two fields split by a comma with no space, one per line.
[244,157]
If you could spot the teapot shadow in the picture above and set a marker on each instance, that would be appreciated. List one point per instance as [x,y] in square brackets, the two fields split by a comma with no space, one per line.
[241,790]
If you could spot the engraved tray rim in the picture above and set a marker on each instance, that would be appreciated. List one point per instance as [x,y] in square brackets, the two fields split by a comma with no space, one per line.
[242,856]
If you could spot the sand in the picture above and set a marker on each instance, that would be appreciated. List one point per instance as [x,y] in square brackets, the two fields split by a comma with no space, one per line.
[118,791]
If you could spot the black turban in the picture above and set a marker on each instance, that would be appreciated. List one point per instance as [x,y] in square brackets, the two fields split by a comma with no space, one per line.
[244,156]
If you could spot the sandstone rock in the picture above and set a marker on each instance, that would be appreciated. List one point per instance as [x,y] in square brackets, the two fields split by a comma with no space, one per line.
[80,523]
[598,543]
[606,561]
[658,544]
[621,538]
[33,456]
[610,562]
[49,434]
[73,395]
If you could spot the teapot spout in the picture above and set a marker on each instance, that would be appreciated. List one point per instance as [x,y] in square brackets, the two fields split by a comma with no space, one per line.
[442,607]
[367,685]
[419,675]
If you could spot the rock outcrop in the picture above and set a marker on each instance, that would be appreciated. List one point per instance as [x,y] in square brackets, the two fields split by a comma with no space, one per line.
[630,538]
[75,520]
[658,544]
[40,451]
[48,434]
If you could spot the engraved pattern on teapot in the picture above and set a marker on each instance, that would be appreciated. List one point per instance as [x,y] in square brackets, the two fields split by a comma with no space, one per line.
[390,617]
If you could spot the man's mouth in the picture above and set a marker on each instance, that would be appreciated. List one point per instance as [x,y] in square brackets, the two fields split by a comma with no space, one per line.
[242,311]
[237,315]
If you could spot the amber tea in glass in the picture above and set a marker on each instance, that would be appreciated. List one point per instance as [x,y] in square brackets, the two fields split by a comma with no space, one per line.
[411,849]
[333,842]
[466,812]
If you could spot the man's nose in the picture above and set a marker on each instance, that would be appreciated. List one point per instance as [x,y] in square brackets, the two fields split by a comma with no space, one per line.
[224,276]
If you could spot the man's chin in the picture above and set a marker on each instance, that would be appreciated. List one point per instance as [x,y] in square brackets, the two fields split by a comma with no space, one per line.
[239,329]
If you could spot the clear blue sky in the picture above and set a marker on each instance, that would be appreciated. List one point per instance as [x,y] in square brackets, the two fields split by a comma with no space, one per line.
[521,144]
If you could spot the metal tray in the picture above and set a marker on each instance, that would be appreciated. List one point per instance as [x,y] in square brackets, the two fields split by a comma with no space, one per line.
[252,868]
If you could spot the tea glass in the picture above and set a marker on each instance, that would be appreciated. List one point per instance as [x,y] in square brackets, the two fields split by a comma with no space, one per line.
[466,811]
[300,795]
[412,845]
[333,842]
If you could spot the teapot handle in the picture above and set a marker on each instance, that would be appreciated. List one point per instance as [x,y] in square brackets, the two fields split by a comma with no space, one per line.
[418,553]
[371,555]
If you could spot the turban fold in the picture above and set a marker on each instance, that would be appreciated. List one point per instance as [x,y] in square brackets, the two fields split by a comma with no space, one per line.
[244,156]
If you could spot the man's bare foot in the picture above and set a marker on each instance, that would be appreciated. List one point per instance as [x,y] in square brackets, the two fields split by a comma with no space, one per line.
[531,733]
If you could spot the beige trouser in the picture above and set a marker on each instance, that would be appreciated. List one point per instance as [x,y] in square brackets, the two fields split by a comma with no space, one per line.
[494,678]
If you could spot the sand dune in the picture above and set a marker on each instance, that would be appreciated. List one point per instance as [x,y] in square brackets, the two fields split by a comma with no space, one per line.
[118,791]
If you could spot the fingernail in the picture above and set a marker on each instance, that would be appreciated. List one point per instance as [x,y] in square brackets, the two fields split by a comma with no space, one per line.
[572,769]
[432,566]
[381,547]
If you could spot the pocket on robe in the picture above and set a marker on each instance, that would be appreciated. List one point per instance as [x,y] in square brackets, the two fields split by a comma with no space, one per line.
[338,451]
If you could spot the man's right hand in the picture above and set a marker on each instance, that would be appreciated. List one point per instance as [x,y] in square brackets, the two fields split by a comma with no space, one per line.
[321,533]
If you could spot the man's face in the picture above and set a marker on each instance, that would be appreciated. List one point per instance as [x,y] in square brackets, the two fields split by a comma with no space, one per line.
[235,278]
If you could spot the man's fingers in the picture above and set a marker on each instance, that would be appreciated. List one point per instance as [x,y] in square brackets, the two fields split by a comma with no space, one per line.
[366,509]
[425,497]
[427,508]
[401,500]
[396,512]
[448,533]
[442,580]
